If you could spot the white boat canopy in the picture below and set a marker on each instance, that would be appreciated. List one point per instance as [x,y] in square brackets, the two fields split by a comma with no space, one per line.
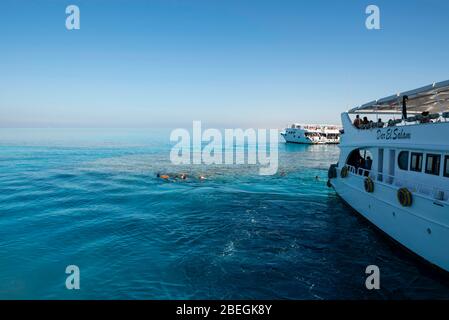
[433,98]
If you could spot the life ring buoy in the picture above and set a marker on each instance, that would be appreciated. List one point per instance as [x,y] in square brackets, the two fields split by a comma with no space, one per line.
[344,172]
[405,197]
[369,185]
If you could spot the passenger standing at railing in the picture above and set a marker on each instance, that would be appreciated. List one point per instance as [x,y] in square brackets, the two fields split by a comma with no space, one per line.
[368,163]
[361,164]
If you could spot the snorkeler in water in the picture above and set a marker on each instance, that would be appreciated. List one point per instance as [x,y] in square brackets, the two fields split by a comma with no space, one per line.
[182,176]
[163,176]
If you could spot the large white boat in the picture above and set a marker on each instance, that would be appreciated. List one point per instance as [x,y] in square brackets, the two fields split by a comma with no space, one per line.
[312,134]
[394,168]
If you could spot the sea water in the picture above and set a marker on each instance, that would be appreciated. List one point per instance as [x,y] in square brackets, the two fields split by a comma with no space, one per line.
[91,198]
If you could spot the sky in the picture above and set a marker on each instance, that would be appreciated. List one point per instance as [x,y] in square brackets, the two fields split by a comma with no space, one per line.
[227,63]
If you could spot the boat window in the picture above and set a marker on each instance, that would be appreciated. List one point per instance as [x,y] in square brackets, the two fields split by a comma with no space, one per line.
[416,162]
[433,164]
[446,166]
[403,160]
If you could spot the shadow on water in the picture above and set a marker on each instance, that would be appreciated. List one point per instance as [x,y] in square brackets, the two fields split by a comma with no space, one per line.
[404,274]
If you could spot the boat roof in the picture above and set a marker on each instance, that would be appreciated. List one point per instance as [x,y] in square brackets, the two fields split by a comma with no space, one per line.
[433,98]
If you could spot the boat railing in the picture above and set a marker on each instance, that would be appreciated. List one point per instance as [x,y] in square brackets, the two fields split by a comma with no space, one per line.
[413,120]
[435,193]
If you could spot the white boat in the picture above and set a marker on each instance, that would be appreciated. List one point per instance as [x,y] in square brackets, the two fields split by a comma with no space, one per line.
[312,134]
[396,174]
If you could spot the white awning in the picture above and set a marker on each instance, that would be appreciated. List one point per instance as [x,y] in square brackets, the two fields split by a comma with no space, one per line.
[433,98]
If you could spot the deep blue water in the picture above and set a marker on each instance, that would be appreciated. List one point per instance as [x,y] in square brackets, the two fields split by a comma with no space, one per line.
[91,198]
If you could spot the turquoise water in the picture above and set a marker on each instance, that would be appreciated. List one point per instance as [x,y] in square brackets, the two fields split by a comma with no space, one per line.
[91,198]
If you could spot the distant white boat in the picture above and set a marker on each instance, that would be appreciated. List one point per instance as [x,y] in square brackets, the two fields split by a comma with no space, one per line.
[396,173]
[312,134]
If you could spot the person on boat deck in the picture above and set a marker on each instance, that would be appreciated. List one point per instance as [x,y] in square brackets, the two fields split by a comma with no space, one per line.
[368,163]
[365,121]
[361,164]
[425,116]
[380,124]
[357,121]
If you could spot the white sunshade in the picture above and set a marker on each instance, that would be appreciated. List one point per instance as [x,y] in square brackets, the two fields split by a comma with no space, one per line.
[432,98]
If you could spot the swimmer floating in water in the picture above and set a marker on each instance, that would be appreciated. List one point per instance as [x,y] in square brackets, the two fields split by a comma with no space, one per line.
[163,176]
[182,176]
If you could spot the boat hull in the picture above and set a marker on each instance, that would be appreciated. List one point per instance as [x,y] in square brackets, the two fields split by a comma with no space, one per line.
[312,134]
[302,140]
[305,143]
[417,228]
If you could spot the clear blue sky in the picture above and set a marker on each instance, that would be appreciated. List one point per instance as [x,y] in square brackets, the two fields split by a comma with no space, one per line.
[229,63]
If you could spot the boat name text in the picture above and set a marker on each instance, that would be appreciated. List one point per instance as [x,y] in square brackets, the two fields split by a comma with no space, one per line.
[393,134]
